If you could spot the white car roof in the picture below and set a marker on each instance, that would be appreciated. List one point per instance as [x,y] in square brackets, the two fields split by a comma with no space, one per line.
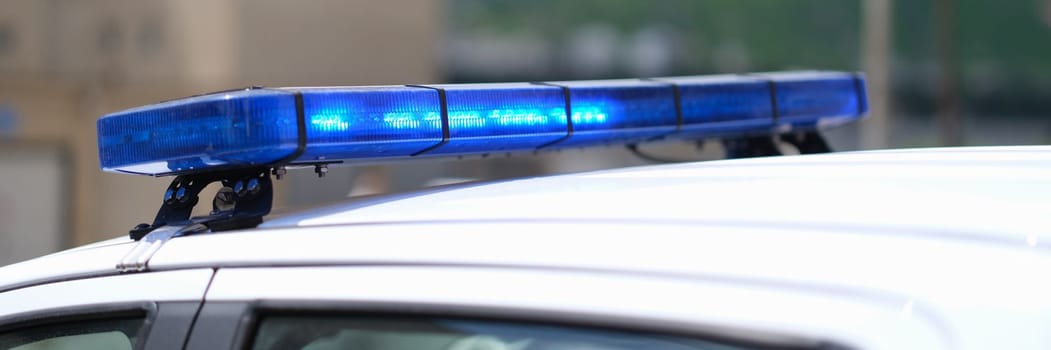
[990,193]
[994,197]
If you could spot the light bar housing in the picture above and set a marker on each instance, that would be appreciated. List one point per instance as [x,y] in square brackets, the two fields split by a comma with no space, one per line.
[268,127]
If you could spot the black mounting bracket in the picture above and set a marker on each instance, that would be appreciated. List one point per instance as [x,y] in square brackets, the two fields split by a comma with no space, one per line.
[246,196]
[748,147]
[807,142]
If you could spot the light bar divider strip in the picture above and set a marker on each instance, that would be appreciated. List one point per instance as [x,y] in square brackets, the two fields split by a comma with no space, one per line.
[677,97]
[773,101]
[773,96]
[569,114]
[301,132]
[443,102]
[859,91]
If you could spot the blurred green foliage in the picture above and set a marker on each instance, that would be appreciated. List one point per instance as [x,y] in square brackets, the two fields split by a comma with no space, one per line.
[798,33]
[1003,47]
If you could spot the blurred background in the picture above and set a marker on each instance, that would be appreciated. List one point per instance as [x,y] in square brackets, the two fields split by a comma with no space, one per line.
[940,72]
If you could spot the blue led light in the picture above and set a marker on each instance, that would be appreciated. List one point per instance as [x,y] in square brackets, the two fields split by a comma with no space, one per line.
[723,105]
[261,127]
[370,122]
[619,111]
[502,117]
[810,100]
[586,115]
[329,123]
[237,127]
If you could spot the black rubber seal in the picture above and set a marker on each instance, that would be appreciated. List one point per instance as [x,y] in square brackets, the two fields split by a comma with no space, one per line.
[859,89]
[773,101]
[676,94]
[443,102]
[772,86]
[569,114]
[301,132]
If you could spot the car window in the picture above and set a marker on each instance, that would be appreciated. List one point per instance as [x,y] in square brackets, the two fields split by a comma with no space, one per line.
[116,334]
[374,333]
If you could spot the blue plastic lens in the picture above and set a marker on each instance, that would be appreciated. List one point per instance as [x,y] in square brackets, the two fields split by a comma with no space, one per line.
[238,127]
[261,127]
[619,111]
[502,117]
[370,122]
[723,105]
[818,99]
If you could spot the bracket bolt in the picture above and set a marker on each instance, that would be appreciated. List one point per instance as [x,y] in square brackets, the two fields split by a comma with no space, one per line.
[239,188]
[253,185]
[225,200]
[280,172]
[321,170]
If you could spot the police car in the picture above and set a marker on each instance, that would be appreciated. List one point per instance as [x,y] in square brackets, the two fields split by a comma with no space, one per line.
[910,249]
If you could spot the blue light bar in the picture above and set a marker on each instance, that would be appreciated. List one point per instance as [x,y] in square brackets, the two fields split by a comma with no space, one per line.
[618,111]
[502,117]
[202,132]
[369,122]
[808,100]
[271,127]
[718,105]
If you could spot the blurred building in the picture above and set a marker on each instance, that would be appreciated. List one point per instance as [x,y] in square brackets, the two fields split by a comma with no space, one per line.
[64,63]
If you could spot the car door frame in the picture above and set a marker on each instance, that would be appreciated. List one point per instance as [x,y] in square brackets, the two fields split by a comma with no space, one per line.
[240,295]
[168,302]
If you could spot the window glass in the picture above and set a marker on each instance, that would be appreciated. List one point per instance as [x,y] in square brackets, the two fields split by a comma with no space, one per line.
[374,333]
[116,334]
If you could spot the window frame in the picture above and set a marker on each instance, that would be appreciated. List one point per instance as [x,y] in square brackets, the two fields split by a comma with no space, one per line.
[169,301]
[254,312]
[795,315]
[87,313]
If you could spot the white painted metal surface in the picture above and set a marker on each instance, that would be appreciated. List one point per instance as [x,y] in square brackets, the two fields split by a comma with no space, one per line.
[977,286]
[977,192]
[725,307]
[950,242]
[185,285]
[98,260]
